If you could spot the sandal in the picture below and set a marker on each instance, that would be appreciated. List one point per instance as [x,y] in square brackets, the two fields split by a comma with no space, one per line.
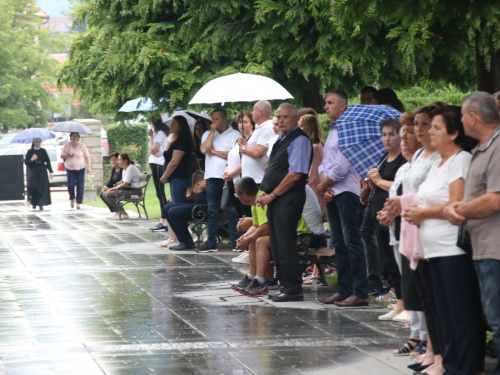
[420,349]
[406,348]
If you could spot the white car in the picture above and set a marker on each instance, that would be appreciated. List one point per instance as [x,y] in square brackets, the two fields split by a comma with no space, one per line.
[54,152]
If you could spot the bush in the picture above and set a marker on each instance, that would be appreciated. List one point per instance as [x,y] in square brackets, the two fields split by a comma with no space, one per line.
[131,139]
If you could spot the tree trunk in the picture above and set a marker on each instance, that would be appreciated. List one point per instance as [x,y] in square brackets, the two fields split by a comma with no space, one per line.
[488,77]
[312,98]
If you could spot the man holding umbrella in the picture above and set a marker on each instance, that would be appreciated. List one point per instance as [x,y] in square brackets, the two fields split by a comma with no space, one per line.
[340,185]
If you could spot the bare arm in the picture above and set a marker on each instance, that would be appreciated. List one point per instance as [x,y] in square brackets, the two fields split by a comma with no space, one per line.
[174,163]
[483,206]
[208,145]
[254,152]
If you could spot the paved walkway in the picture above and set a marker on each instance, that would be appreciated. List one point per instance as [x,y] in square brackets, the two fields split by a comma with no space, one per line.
[84,295]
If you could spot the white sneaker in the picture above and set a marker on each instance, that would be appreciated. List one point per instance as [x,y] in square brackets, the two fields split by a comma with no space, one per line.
[404,317]
[111,214]
[115,216]
[243,258]
[125,216]
[389,316]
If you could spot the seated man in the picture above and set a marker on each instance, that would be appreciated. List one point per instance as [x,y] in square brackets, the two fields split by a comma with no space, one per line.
[261,271]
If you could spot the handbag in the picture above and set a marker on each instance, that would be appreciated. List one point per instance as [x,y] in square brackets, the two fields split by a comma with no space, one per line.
[226,202]
[464,241]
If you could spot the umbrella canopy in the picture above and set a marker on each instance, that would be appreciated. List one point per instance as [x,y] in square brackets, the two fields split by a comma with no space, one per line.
[240,87]
[27,135]
[139,105]
[70,127]
[190,120]
[198,116]
[359,134]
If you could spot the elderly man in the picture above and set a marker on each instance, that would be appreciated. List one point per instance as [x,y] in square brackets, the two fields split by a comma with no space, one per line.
[480,210]
[254,150]
[340,185]
[283,190]
[215,144]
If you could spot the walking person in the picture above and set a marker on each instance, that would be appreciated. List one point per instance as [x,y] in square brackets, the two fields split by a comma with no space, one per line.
[37,163]
[76,160]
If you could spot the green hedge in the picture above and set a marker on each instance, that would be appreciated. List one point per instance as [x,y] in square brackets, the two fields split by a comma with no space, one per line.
[131,139]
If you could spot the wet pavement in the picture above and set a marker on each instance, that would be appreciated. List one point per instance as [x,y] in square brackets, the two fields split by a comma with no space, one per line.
[81,294]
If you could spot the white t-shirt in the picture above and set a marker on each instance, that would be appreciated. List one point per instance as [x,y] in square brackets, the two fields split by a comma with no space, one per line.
[214,165]
[272,141]
[233,160]
[419,168]
[254,167]
[161,139]
[132,175]
[312,212]
[439,236]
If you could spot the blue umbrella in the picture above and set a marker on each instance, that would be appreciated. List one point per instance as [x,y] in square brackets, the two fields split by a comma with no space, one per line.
[139,105]
[27,135]
[359,134]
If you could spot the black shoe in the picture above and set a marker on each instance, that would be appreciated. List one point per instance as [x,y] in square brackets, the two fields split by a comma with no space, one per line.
[159,228]
[284,297]
[41,208]
[34,207]
[182,246]
[421,368]
[242,284]
[207,248]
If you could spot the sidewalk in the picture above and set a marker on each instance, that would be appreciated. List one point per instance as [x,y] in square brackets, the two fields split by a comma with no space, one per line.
[85,295]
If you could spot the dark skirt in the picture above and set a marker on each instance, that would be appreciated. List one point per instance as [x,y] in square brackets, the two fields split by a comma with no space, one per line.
[38,186]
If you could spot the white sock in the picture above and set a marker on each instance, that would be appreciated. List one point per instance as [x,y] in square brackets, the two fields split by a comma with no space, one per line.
[250,276]
[260,279]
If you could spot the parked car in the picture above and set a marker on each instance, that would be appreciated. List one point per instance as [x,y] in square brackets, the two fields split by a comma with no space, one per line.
[54,152]
[5,139]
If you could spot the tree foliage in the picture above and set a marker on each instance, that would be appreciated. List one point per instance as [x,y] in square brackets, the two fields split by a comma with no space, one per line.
[131,139]
[24,66]
[165,48]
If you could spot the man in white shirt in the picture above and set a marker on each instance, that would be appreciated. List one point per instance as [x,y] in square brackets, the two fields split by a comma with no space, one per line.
[215,144]
[254,150]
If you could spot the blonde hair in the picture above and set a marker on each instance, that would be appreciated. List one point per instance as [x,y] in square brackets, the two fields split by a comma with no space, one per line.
[311,123]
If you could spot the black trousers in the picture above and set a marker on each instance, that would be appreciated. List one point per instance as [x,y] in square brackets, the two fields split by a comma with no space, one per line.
[156,172]
[460,315]
[390,264]
[370,243]
[411,297]
[283,215]
[423,281]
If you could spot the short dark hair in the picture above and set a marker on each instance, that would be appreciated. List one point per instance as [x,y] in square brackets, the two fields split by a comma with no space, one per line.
[114,155]
[247,114]
[78,134]
[452,117]
[341,94]
[393,123]
[368,89]
[382,95]
[247,185]
[222,112]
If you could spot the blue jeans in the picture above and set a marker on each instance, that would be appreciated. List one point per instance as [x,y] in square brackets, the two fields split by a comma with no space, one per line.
[178,216]
[76,178]
[178,188]
[343,214]
[214,196]
[488,273]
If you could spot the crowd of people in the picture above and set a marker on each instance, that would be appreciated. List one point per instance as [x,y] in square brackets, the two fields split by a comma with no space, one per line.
[420,224]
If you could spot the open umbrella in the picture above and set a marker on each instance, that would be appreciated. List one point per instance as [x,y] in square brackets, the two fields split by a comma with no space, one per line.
[139,105]
[70,127]
[27,135]
[190,116]
[240,87]
[359,134]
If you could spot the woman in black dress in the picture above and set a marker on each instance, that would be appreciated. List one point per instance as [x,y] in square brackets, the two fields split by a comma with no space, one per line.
[37,163]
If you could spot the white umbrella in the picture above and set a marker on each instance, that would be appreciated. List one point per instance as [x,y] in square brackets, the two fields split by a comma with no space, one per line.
[240,87]
[190,120]
[70,127]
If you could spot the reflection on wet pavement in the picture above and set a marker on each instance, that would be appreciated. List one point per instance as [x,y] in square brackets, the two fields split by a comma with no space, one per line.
[83,295]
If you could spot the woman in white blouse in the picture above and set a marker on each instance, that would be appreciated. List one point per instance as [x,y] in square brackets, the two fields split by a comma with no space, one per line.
[454,282]
[132,181]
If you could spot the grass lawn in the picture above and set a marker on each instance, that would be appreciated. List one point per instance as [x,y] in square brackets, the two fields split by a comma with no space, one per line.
[152,205]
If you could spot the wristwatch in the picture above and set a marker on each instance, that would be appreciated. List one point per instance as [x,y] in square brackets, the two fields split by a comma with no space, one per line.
[274,194]
[243,150]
